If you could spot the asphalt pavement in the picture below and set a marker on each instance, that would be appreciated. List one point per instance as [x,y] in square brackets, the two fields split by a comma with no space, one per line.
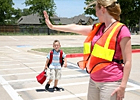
[19,67]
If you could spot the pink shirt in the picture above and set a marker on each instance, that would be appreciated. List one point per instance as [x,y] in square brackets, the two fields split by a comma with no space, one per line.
[114,71]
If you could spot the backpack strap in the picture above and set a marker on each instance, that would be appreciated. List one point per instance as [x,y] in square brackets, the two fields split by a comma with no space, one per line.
[61,58]
[51,56]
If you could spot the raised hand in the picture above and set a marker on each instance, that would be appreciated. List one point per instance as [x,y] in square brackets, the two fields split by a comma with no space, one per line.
[47,21]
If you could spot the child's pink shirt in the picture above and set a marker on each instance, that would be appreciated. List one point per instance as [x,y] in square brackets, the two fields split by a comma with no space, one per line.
[114,71]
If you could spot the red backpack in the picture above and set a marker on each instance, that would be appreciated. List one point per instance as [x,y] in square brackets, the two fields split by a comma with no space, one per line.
[61,59]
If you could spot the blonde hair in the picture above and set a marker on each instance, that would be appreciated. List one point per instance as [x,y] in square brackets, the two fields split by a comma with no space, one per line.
[112,6]
[56,41]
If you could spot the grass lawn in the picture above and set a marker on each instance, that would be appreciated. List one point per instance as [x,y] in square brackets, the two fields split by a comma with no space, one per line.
[69,50]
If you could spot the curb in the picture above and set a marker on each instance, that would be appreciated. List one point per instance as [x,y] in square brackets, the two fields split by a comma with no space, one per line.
[136,51]
[81,54]
[74,55]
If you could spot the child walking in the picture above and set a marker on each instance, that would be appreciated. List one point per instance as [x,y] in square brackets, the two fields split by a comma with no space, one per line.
[54,62]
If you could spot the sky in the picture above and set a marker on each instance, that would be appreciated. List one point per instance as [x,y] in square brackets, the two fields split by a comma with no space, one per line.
[64,8]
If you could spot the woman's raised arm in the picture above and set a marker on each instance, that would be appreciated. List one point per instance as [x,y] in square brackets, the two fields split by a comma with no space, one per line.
[79,29]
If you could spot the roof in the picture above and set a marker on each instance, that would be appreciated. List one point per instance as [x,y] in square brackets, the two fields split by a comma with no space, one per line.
[63,20]
[30,19]
[84,19]
[35,19]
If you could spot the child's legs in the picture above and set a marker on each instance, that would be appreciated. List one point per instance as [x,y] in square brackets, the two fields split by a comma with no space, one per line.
[57,76]
[51,76]
[106,90]
[93,91]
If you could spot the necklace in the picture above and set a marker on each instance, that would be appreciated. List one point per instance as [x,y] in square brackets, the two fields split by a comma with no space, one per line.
[108,26]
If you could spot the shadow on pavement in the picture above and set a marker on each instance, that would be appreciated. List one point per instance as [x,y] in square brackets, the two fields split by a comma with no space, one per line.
[49,90]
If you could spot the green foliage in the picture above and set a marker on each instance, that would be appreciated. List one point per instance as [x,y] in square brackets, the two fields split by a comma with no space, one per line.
[90,10]
[6,11]
[38,6]
[26,12]
[67,50]
[130,11]
[135,46]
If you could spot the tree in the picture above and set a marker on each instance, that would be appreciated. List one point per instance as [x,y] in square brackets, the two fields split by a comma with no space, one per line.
[38,6]
[17,13]
[26,12]
[6,11]
[130,11]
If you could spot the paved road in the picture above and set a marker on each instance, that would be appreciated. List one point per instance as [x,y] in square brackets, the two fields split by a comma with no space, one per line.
[18,69]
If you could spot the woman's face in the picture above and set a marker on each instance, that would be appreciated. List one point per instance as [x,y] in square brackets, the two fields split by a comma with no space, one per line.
[99,13]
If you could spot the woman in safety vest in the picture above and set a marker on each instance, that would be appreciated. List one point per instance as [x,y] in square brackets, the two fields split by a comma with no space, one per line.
[107,51]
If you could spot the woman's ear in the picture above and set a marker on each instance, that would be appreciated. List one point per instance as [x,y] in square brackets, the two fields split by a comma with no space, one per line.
[103,9]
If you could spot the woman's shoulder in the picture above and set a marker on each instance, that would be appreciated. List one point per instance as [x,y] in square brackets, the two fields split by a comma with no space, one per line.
[124,32]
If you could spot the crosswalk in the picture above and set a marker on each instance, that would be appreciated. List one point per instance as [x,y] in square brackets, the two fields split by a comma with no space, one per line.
[18,72]
[17,77]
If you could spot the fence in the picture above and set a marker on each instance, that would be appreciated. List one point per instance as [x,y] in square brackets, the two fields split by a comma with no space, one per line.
[25,29]
[9,28]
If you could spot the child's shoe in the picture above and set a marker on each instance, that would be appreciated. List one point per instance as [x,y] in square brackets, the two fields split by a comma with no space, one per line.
[47,86]
[56,89]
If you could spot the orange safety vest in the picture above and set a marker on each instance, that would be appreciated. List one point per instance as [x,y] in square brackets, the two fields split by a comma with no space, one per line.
[102,53]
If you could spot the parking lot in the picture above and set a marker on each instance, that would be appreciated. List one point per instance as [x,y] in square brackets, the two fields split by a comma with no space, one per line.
[19,68]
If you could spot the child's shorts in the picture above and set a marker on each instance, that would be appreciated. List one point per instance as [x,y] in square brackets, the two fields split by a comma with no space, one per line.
[55,74]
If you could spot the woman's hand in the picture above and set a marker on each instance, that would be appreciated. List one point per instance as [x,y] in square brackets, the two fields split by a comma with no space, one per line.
[47,21]
[120,93]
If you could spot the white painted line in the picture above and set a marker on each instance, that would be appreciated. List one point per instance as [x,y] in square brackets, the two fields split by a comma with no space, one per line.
[13,94]
[35,63]
[36,72]
[132,84]
[13,38]
[36,67]
[12,49]
[65,70]
[31,67]
[20,74]
[134,87]
[63,77]
[76,75]
[62,85]
[22,80]
[64,97]
[73,65]
[76,83]
[9,64]
[6,61]
[25,64]
[21,68]
[5,57]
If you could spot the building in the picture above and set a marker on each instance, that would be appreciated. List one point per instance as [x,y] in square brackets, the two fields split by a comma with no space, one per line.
[32,23]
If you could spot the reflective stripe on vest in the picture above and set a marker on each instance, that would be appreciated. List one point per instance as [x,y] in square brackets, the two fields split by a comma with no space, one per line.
[96,60]
[87,46]
[105,52]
